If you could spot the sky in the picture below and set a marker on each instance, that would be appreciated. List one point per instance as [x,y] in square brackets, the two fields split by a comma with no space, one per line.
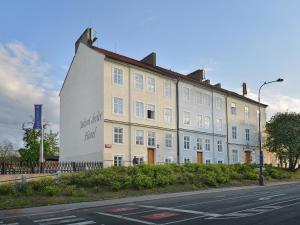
[234,41]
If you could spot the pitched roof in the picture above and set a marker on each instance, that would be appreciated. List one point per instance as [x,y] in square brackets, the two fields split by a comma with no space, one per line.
[170,73]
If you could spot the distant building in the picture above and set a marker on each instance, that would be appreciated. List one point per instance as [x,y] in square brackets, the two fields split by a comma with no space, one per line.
[113,108]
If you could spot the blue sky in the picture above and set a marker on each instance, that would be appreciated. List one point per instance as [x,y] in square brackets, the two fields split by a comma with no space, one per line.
[235,41]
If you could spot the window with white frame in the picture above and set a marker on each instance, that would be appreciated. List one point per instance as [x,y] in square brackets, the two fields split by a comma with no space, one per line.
[151,84]
[207,161]
[186,142]
[167,89]
[234,132]
[140,159]
[247,131]
[117,105]
[220,161]
[233,108]
[168,160]
[186,94]
[235,156]
[118,160]
[168,140]
[139,109]
[168,115]
[117,76]
[219,102]
[199,144]
[207,144]
[199,98]
[219,124]
[246,112]
[151,112]
[151,138]
[118,135]
[207,122]
[139,137]
[139,81]
[207,100]
[199,121]
[220,146]
[187,160]
[186,118]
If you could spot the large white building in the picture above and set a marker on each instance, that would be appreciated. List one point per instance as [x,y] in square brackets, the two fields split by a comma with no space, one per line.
[114,108]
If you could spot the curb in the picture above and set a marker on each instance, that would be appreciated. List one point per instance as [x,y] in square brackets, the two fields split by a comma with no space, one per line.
[42,210]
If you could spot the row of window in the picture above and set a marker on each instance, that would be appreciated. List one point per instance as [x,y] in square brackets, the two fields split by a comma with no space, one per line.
[246,111]
[139,80]
[234,133]
[200,146]
[207,161]
[201,121]
[119,160]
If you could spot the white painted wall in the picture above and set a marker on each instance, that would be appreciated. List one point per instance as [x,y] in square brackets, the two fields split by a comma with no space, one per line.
[81,108]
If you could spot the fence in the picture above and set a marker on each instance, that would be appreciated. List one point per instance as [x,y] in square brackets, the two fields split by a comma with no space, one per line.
[19,167]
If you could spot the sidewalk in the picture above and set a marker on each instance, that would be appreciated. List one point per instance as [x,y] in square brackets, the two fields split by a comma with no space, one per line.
[10,213]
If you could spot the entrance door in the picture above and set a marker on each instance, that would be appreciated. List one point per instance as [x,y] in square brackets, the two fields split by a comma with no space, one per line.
[150,156]
[199,157]
[248,157]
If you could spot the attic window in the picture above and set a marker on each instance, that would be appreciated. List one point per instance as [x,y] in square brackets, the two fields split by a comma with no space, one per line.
[151,112]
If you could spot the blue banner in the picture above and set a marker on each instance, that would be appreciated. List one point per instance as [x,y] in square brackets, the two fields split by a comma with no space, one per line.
[37,117]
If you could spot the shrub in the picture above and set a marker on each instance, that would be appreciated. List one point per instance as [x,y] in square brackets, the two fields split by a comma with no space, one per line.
[40,184]
[141,181]
[6,189]
[50,190]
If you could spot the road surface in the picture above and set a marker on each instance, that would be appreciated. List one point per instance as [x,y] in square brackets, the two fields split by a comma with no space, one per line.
[270,205]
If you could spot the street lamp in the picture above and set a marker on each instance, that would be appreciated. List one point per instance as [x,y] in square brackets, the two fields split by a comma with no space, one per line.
[261,157]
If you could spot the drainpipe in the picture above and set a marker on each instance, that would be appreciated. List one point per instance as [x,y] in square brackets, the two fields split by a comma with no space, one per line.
[129,111]
[227,128]
[213,125]
[177,120]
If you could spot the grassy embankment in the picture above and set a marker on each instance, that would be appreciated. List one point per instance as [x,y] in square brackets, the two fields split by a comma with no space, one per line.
[117,182]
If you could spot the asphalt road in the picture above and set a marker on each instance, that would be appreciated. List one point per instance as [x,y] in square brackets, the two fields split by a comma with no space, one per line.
[260,206]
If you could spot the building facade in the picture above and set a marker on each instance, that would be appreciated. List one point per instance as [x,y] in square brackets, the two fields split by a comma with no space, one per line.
[114,108]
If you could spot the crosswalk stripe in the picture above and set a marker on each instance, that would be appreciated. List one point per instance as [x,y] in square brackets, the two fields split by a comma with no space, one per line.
[82,223]
[52,219]
[61,221]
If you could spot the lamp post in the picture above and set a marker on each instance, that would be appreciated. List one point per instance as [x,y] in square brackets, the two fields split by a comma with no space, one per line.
[261,157]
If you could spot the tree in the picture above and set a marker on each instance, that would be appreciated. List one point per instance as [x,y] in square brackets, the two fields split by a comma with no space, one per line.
[283,137]
[6,150]
[31,150]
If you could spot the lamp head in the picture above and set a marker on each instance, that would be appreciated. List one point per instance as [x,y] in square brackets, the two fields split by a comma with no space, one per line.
[280,80]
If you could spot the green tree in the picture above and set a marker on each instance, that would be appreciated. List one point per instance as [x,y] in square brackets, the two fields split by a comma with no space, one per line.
[283,138]
[31,150]
[7,151]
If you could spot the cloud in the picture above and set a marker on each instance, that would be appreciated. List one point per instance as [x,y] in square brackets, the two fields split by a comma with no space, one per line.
[24,81]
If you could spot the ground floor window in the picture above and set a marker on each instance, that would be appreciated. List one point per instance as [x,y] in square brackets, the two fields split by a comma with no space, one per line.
[208,161]
[220,162]
[235,156]
[187,160]
[207,144]
[118,160]
[199,144]
[168,160]
[168,140]
[186,142]
[140,159]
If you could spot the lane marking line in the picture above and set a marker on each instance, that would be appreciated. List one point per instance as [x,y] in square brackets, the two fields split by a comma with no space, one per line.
[183,220]
[62,221]
[82,223]
[269,197]
[125,218]
[123,209]
[135,213]
[54,218]
[160,215]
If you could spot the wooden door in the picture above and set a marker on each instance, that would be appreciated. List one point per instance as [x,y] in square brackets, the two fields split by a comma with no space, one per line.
[150,156]
[248,157]
[199,157]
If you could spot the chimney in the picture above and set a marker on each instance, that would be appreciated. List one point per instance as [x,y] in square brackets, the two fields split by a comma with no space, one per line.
[207,81]
[244,89]
[198,75]
[85,38]
[218,85]
[150,59]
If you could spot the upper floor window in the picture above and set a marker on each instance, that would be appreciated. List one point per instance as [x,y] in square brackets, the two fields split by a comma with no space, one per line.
[167,89]
[219,124]
[151,138]
[186,94]
[233,108]
[207,99]
[199,98]
[151,112]
[186,142]
[117,76]
[186,118]
[118,160]
[246,112]
[139,109]
[117,105]
[199,144]
[151,84]
[139,81]
[139,137]
[219,103]
[234,132]
[168,115]
[118,135]
[220,146]
[168,140]
[247,131]
[207,144]
[207,122]
[199,121]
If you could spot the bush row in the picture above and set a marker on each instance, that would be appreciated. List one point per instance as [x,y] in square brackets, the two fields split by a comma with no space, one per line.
[142,177]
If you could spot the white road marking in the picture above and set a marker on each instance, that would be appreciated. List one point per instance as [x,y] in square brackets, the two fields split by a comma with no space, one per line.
[61,221]
[9,223]
[134,213]
[54,218]
[183,220]
[180,210]
[125,218]
[82,223]
[269,197]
